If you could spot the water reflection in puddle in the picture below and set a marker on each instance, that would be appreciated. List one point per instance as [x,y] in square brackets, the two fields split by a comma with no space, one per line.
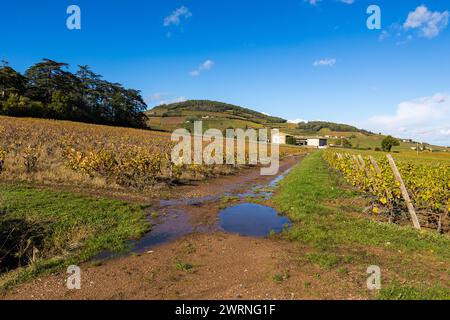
[173,225]
[251,219]
[247,219]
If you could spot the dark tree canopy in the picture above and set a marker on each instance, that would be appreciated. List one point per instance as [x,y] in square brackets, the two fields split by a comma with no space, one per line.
[11,82]
[49,90]
[388,143]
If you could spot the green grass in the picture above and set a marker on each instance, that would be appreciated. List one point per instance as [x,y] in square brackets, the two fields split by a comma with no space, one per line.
[303,196]
[400,292]
[314,198]
[280,277]
[324,259]
[74,228]
[183,266]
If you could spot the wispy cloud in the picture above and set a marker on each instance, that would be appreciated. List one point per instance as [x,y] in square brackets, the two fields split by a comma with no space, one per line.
[324,62]
[315,2]
[175,17]
[430,24]
[207,65]
[157,96]
[422,119]
[160,98]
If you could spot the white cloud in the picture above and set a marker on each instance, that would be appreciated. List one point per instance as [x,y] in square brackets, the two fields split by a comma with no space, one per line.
[207,65]
[297,121]
[160,98]
[422,119]
[430,24]
[324,63]
[174,17]
[348,1]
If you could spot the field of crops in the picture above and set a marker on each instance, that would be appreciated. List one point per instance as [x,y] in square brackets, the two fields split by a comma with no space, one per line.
[427,182]
[68,153]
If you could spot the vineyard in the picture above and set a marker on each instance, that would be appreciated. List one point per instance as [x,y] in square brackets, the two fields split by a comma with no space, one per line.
[68,153]
[427,184]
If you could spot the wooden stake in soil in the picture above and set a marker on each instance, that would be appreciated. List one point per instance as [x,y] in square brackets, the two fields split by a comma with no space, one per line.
[356,161]
[375,165]
[405,194]
[361,160]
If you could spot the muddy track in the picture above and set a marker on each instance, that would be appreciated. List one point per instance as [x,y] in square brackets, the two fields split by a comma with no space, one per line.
[217,265]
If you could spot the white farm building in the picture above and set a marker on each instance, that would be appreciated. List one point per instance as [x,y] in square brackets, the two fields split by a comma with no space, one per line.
[313,142]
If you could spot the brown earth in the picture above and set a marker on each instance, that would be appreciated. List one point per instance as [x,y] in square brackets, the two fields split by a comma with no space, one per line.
[224,266]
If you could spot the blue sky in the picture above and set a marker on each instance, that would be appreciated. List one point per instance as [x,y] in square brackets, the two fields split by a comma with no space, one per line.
[311,60]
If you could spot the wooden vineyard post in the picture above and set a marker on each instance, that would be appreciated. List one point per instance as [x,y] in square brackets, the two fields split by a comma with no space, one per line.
[375,165]
[356,161]
[361,160]
[405,194]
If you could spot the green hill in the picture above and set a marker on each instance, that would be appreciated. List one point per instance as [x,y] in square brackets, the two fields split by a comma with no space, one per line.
[214,114]
[316,126]
[204,107]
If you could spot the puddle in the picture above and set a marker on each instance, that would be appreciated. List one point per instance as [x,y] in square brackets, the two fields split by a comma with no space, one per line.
[174,225]
[249,219]
[189,201]
[264,192]
[171,226]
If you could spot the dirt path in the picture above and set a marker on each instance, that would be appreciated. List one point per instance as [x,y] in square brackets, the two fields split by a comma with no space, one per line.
[224,266]
[202,262]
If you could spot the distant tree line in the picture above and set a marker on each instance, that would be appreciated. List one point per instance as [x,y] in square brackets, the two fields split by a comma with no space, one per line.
[315,126]
[49,90]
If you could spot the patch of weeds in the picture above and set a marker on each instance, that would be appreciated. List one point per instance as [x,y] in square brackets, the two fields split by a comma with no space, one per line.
[183,266]
[280,277]
[400,292]
[347,259]
[154,215]
[342,270]
[228,199]
[97,263]
[307,284]
[324,259]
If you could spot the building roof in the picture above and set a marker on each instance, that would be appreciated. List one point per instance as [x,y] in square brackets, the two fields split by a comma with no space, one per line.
[315,137]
